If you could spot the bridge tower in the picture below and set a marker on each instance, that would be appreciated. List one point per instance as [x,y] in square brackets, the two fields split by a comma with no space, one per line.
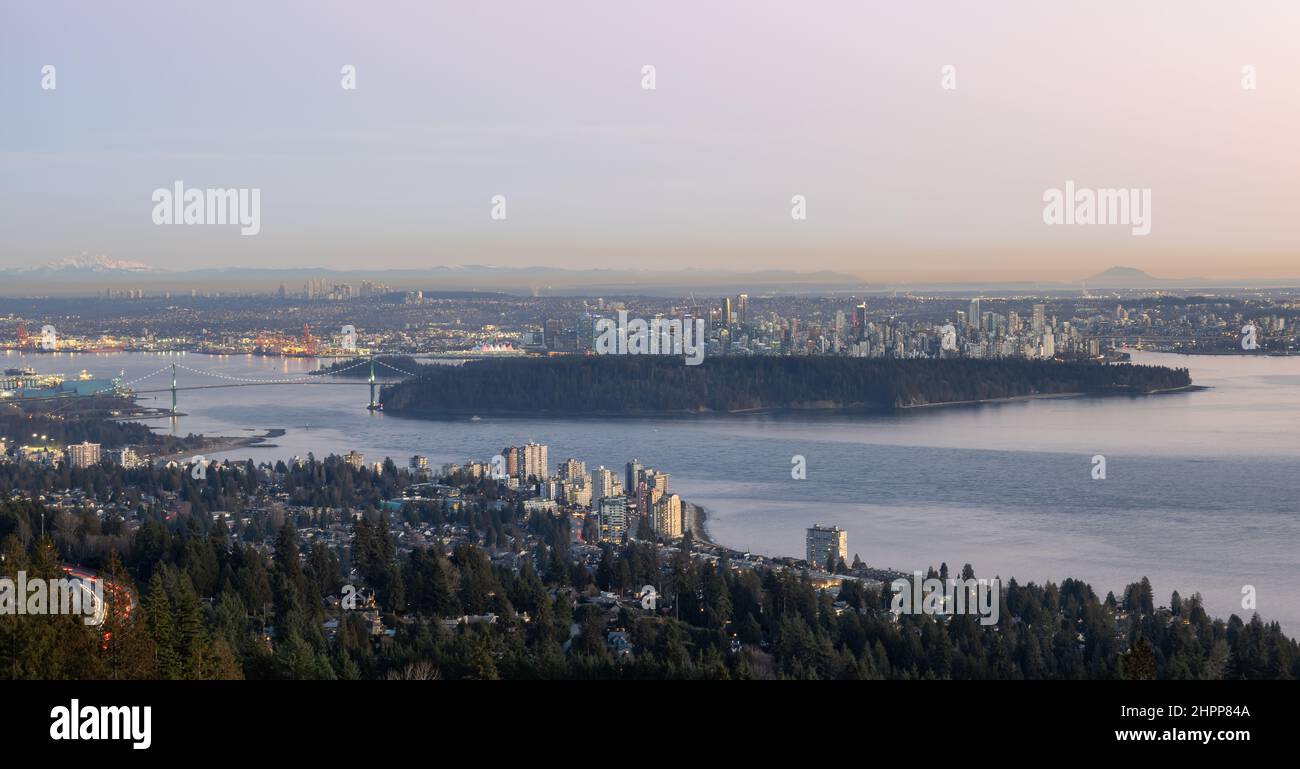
[374,399]
[173,389]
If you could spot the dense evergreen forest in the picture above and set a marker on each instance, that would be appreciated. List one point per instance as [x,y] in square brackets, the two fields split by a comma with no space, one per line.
[653,384]
[260,600]
[65,424]
[86,538]
[211,607]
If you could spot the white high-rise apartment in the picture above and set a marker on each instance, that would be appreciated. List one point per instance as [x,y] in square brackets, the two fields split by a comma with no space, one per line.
[612,517]
[572,468]
[667,518]
[605,483]
[825,541]
[535,461]
[83,454]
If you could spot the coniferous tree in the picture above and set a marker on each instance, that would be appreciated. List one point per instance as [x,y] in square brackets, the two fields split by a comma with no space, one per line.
[1139,662]
[162,629]
[127,643]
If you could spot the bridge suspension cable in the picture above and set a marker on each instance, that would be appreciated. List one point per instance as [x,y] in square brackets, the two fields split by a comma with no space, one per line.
[395,368]
[260,380]
[238,380]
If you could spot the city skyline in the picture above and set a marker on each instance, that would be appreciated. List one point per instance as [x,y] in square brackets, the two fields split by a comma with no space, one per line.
[87,275]
[576,341]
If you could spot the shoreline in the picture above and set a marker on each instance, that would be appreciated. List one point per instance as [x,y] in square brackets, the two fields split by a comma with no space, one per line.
[694,518]
[456,416]
[772,410]
[223,443]
[1048,396]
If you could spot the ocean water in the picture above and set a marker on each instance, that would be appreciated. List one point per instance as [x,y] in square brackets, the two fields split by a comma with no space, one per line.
[1200,493]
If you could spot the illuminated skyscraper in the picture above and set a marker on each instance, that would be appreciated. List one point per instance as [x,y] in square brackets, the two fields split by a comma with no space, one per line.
[83,454]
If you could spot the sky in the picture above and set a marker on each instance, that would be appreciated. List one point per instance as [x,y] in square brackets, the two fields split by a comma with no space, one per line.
[754,103]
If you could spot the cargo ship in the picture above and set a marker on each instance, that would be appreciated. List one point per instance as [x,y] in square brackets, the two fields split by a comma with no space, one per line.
[26,383]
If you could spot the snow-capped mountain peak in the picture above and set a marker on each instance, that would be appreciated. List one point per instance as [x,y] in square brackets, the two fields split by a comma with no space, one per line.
[95,263]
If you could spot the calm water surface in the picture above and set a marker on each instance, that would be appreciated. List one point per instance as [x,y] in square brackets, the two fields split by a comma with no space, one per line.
[1200,493]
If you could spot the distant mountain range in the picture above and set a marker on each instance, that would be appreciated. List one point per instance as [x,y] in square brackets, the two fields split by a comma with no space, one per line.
[86,263]
[79,275]
[1131,277]
[86,274]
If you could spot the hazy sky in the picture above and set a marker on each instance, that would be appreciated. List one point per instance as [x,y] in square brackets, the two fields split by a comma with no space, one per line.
[755,102]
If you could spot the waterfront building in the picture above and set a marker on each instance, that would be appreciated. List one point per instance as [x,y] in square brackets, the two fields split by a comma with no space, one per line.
[667,519]
[605,483]
[823,542]
[633,476]
[571,468]
[656,484]
[528,460]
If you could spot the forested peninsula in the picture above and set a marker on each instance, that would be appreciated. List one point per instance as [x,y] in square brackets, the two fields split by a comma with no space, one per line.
[650,385]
